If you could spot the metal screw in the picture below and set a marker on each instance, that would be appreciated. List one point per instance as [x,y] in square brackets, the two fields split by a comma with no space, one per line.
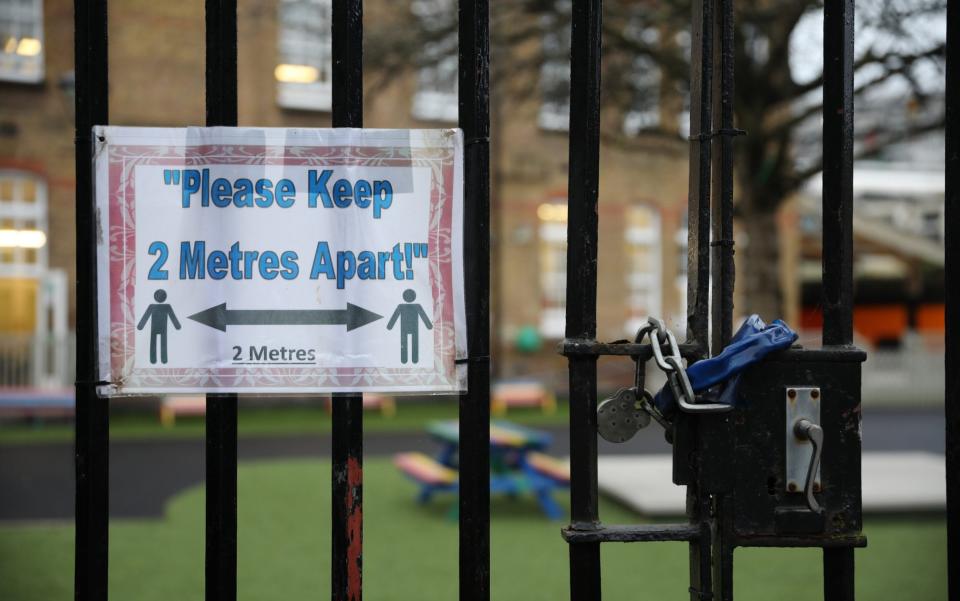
[791,393]
[815,394]
[792,487]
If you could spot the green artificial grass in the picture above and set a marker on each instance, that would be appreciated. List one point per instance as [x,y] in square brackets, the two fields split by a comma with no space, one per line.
[410,551]
[267,421]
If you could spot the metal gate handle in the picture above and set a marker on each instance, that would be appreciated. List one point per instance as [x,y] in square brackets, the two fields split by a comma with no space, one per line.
[807,430]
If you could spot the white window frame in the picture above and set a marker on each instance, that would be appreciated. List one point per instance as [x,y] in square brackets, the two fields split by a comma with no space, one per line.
[22,213]
[436,98]
[21,41]
[681,239]
[644,287]
[552,256]
[304,50]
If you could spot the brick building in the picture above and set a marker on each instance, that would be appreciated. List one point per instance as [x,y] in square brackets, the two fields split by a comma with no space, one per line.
[157,79]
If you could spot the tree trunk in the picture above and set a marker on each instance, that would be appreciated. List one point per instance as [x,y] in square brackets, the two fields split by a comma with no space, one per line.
[759,267]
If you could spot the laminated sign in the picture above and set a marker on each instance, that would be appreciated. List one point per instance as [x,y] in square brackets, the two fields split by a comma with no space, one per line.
[279,260]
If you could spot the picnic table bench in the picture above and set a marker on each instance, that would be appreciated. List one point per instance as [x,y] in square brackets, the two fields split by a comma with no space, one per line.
[517,464]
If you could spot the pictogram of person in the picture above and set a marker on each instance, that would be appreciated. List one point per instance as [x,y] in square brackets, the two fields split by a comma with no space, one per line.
[158,313]
[410,315]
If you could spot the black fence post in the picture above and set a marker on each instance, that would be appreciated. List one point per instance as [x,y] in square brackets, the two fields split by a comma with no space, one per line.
[221,418]
[838,173]
[703,28]
[698,204]
[837,252]
[92,412]
[582,234]
[347,453]
[474,119]
[952,274]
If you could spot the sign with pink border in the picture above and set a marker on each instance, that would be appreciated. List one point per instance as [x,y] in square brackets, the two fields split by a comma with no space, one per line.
[267,260]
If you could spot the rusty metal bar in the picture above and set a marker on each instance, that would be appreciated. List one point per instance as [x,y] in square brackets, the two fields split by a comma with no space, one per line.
[582,234]
[474,119]
[221,417]
[346,567]
[952,274]
[92,412]
[633,533]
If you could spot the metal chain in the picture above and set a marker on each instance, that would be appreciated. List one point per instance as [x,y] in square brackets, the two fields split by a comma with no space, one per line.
[672,366]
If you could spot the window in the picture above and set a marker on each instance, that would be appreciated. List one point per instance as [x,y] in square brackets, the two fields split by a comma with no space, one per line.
[678,316]
[21,33]
[555,70]
[644,266]
[23,224]
[553,268]
[683,86]
[436,97]
[304,71]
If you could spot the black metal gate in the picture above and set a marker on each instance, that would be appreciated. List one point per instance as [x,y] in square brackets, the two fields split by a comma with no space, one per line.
[713,529]
[92,429]
[730,461]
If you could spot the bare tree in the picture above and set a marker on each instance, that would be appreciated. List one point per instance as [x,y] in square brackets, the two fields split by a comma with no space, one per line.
[778,99]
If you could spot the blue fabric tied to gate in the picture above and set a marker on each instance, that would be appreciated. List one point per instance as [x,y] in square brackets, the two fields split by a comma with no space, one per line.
[716,379]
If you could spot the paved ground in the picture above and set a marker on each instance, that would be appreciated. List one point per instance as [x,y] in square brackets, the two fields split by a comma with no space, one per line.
[36,480]
[893,482]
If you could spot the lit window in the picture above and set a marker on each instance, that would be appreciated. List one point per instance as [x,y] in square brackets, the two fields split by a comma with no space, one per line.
[21,40]
[304,71]
[553,268]
[436,97]
[23,224]
[644,267]
[555,70]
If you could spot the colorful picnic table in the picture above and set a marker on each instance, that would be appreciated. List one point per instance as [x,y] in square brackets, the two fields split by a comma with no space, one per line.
[517,464]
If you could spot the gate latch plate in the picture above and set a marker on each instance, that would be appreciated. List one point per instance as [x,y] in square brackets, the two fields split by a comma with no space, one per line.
[802,402]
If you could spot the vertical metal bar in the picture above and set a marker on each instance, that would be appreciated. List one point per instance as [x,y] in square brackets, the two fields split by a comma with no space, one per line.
[582,234]
[346,575]
[722,266]
[837,252]
[722,550]
[952,274]
[698,261]
[221,499]
[722,271]
[838,172]
[221,419]
[698,213]
[346,566]
[838,571]
[92,412]
[474,118]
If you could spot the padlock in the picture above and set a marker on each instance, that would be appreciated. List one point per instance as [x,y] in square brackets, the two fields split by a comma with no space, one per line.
[622,415]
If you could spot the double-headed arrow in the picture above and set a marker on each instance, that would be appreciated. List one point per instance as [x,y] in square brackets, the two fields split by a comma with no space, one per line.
[220,317]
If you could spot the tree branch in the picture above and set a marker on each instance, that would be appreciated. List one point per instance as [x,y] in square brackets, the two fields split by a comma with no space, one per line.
[888,138]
